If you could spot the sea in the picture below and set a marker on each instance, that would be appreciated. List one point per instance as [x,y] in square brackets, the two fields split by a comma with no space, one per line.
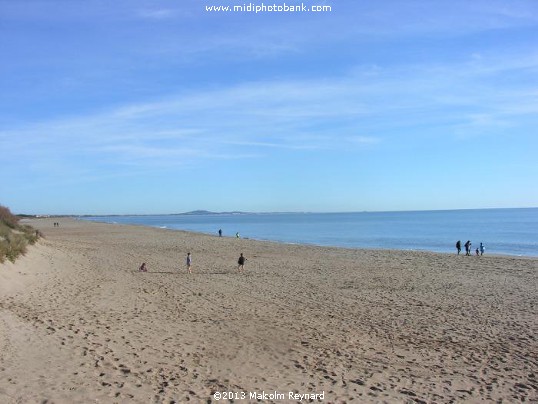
[502,231]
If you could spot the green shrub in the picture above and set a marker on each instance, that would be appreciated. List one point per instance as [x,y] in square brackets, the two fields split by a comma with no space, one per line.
[4,247]
[4,230]
[8,218]
[31,234]
[17,246]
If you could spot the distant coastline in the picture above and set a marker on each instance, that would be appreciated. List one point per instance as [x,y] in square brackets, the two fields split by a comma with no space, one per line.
[202,212]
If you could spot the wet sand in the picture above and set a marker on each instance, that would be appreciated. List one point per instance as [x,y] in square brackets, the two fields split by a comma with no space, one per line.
[79,323]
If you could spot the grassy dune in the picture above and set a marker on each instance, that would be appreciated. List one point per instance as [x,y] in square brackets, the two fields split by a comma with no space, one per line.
[14,237]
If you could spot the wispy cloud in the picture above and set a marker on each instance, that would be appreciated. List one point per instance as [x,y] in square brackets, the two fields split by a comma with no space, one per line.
[262,117]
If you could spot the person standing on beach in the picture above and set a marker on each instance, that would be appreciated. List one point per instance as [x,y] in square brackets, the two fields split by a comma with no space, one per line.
[458,246]
[468,247]
[237,235]
[220,232]
[482,248]
[241,263]
[189,262]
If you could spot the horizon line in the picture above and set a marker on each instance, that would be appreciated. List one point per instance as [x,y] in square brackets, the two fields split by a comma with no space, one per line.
[202,212]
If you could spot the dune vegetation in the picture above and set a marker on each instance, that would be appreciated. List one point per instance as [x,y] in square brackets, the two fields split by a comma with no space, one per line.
[14,237]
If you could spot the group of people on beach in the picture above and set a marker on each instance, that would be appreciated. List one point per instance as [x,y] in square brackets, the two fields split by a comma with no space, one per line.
[236,234]
[240,264]
[479,251]
[188,261]
[56,224]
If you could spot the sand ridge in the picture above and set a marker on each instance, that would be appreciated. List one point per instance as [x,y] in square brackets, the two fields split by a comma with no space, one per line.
[78,323]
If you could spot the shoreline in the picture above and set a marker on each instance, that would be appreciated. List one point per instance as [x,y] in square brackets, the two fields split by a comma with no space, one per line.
[81,324]
[380,249]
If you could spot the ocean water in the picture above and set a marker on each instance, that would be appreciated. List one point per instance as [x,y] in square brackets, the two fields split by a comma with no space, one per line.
[503,231]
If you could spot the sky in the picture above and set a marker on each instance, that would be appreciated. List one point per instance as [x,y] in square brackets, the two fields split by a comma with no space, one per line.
[150,106]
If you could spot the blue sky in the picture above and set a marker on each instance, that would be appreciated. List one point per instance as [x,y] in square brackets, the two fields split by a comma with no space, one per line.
[139,106]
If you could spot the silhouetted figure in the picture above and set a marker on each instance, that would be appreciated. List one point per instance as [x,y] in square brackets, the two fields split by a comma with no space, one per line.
[458,246]
[189,262]
[220,232]
[482,249]
[241,263]
[143,267]
[468,247]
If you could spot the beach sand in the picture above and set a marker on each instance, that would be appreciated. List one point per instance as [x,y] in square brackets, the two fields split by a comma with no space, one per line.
[80,324]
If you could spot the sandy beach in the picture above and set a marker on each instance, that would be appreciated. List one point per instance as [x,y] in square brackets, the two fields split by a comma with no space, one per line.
[80,324]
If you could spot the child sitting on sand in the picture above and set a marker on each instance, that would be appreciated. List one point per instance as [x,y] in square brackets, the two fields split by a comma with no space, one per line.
[143,267]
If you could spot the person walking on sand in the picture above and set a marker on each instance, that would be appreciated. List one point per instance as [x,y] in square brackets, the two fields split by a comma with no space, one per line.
[241,263]
[468,247]
[458,246]
[189,262]
[482,248]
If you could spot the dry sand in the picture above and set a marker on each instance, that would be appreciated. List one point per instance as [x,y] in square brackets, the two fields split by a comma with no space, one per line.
[79,324]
